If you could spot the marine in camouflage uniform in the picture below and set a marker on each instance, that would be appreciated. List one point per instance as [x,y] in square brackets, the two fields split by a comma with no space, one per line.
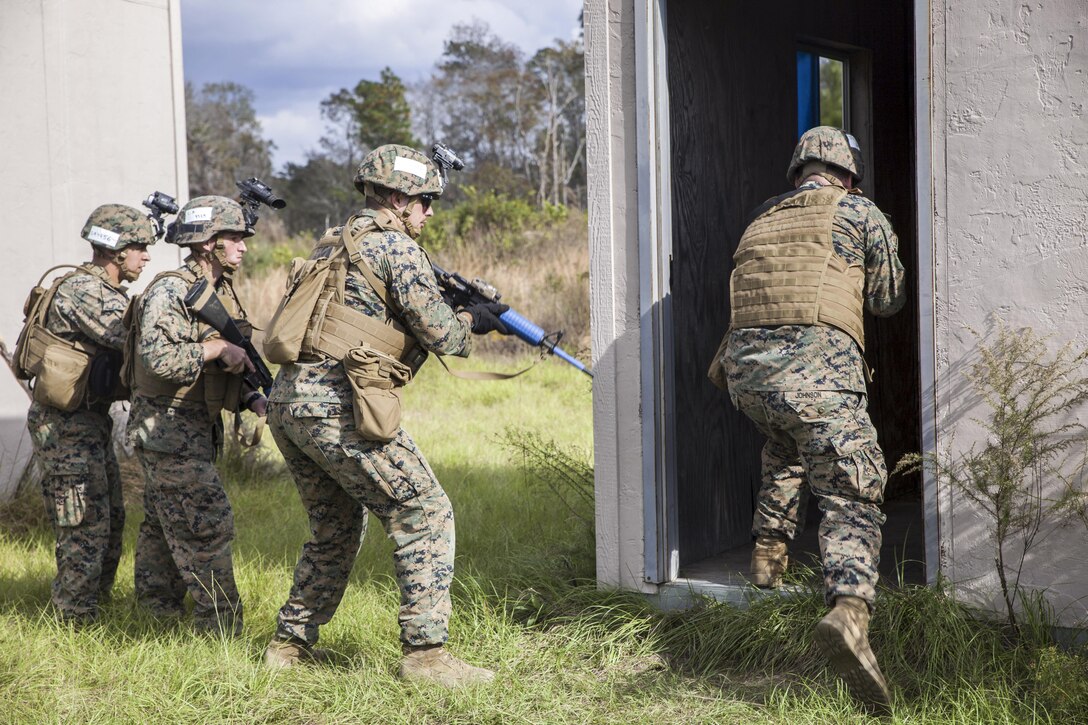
[803,385]
[81,482]
[340,473]
[183,376]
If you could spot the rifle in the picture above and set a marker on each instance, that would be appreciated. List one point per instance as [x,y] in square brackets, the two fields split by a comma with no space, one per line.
[459,292]
[203,302]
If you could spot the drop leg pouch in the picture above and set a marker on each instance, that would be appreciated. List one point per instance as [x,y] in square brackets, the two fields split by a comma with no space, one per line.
[376,383]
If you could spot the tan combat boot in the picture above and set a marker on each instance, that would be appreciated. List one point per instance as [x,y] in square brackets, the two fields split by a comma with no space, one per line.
[769,561]
[282,654]
[843,635]
[432,663]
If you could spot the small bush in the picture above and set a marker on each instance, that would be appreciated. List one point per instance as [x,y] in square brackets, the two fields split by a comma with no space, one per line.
[1060,681]
[1027,476]
[565,472]
[488,220]
[264,257]
[25,512]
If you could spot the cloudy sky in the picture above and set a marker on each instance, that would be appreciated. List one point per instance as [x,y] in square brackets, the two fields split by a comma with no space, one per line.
[293,54]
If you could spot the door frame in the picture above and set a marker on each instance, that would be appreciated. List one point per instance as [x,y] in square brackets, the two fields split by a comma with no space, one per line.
[661,549]
[655,244]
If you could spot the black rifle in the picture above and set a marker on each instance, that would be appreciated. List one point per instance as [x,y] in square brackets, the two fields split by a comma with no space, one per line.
[205,304]
[459,292]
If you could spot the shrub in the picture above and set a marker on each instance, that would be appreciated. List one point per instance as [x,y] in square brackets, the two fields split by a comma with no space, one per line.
[488,220]
[1028,475]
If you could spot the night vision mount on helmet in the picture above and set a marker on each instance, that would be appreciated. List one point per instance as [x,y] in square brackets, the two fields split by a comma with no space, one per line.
[255,192]
[160,204]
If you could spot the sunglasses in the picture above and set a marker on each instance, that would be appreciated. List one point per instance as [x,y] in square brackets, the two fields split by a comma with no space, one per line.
[425,200]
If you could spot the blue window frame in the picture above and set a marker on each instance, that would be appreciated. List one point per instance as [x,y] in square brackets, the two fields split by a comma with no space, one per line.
[821,90]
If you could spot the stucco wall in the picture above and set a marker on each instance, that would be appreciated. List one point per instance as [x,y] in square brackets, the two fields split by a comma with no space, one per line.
[1010,182]
[93,112]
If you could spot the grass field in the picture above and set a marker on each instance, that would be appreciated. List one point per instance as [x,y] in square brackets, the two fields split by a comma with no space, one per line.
[523,605]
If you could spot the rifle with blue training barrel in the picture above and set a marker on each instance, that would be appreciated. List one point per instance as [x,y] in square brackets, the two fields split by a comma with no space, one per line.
[459,292]
[202,301]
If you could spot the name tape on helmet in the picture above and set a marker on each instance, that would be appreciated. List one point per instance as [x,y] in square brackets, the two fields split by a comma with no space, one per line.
[103,236]
[410,166]
[853,142]
[198,214]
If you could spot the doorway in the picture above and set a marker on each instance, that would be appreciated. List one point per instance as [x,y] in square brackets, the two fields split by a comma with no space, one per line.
[741,79]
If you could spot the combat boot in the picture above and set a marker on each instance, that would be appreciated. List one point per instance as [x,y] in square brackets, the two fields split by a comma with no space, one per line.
[432,663]
[843,636]
[769,561]
[282,654]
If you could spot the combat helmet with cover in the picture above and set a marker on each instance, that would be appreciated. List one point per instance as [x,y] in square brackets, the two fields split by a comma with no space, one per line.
[827,145]
[204,217]
[400,168]
[116,226]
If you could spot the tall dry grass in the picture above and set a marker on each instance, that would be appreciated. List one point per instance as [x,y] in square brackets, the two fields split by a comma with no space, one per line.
[545,278]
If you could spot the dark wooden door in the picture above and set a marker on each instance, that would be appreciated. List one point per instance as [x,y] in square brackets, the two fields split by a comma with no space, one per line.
[733,105]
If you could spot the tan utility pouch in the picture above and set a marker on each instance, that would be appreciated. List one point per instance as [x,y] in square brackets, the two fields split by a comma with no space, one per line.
[221,390]
[59,370]
[376,382]
[287,329]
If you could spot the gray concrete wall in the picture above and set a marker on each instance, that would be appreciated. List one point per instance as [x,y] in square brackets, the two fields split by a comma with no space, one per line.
[1010,191]
[93,112]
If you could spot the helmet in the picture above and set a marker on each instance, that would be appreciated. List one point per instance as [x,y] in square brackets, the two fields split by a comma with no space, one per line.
[204,217]
[831,145]
[400,168]
[116,226]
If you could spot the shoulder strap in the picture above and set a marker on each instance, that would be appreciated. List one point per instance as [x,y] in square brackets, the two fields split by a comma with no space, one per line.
[351,246]
[355,256]
[41,308]
[72,267]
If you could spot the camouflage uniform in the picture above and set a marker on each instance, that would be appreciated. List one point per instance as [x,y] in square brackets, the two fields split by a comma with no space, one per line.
[340,475]
[804,388]
[81,482]
[185,539]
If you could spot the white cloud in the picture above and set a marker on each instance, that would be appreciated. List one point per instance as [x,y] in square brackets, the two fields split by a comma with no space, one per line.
[295,129]
[293,54]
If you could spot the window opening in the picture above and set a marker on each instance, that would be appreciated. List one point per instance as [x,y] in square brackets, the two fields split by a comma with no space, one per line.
[821,90]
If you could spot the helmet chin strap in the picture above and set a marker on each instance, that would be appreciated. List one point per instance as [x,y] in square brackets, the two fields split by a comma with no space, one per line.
[221,255]
[404,215]
[126,274]
[412,230]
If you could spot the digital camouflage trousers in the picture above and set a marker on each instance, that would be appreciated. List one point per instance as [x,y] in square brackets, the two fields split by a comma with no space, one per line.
[340,476]
[81,485]
[184,542]
[823,440]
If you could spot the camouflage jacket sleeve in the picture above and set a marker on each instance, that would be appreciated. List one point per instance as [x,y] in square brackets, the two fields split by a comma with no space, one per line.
[168,346]
[87,308]
[413,291]
[885,291]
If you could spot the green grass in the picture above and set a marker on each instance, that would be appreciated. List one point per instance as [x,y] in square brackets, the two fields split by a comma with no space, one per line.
[523,605]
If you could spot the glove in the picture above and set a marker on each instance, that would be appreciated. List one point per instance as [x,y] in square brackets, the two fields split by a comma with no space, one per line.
[485,317]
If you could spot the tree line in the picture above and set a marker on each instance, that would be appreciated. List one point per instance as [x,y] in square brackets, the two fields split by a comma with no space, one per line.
[518,122]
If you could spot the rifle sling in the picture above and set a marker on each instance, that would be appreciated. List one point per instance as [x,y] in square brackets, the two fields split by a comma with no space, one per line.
[355,255]
[258,430]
